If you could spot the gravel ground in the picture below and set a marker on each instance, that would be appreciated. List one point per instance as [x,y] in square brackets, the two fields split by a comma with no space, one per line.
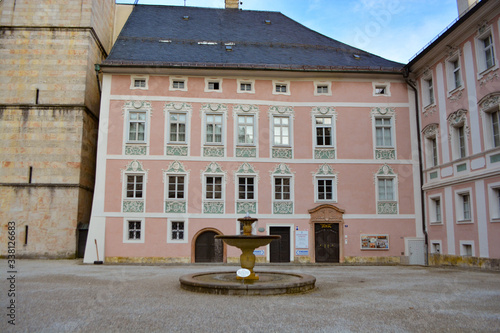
[67,296]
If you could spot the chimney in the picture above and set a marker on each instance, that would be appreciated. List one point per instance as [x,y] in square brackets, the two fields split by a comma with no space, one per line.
[464,5]
[232,4]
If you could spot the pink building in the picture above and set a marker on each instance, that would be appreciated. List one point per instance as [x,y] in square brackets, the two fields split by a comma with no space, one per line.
[457,77]
[208,114]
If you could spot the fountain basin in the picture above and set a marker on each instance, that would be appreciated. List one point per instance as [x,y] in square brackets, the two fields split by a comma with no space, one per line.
[269,283]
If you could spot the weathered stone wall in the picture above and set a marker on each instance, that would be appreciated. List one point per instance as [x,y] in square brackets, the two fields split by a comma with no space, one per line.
[464,262]
[49,213]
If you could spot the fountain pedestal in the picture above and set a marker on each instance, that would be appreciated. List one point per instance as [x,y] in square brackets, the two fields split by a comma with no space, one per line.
[247,243]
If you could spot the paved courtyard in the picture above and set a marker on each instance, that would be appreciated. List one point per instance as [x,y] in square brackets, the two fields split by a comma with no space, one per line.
[68,296]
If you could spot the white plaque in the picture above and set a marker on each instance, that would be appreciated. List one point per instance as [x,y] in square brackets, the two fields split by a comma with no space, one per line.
[302,239]
[243,272]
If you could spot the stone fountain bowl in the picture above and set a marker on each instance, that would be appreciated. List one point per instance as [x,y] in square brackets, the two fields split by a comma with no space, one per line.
[244,241]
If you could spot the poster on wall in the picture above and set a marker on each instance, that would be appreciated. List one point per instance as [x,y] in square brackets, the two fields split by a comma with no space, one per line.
[302,239]
[374,242]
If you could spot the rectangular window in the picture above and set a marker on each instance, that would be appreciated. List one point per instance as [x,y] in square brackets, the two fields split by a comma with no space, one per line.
[246,188]
[177,230]
[322,89]
[281,131]
[434,152]
[280,88]
[135,186]
[467,250]
[245,86]
[495,128]
[178,84]
[489,53]
[466,207]
[246,129]
[213,187]
[282,188]
[462,150]
[134,230]
[176,187]
[436,247]
[386,189]
[383,132]
[214,128]
[456,73]
[177,127]
[430,92]
[137,126]
[325,189]
[380,90]
[139,83]
[213,85]
[436,210]
[324,131]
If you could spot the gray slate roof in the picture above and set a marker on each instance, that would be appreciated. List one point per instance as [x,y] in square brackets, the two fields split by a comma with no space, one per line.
[159,36]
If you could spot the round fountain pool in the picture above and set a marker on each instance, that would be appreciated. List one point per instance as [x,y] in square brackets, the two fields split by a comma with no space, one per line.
[269,283]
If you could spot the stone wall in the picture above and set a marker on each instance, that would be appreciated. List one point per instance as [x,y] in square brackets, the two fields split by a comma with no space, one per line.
[464,262]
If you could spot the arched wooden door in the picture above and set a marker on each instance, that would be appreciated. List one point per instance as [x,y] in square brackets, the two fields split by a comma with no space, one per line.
[207,248]
[327,224]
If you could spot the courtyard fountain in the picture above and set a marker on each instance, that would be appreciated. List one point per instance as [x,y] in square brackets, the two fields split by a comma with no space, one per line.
[245,281]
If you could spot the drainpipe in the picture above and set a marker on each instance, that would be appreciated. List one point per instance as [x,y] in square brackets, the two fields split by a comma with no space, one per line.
[97,68]
[420,165]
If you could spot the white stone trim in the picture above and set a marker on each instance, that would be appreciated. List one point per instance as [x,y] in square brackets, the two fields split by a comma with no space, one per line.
[292,239]
[186,231]
[125,230]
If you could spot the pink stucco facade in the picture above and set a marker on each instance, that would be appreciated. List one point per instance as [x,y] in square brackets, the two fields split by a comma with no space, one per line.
[286,166]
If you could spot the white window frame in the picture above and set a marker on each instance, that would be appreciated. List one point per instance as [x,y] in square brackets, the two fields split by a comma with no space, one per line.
[185,239]
[281,83]
[167,186]
[460,206]
[186,125]
[433,212]
[332,131]
[494,201]
[125,183]
[451,71]
[436,247]
[428,91]
[254,125]
[487,117]
[459,133]
[391,129]
[174,79]
[432,151]
[223,185]
[237,191]
[463,245]
[134,78]
[223,129]
[290,185]
[208,81]
[126,230]
[318,84]
[377,85]
[483,34]
[146,126]
[394,188]
[290,137]
[333,179]
[239,82]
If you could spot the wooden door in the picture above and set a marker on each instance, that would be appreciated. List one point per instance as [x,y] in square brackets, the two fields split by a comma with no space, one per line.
[279,249]
[207,248]
[326,242]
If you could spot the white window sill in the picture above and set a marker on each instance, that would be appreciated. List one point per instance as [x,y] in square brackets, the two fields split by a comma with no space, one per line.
[465,222]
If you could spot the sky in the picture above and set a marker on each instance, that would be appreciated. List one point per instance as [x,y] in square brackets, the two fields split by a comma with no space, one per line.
[393,29]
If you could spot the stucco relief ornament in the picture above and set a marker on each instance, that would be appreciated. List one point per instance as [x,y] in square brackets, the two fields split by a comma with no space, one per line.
[135,166]
[456,96]
[490,102]
[457,117]
[431,131]
[137,104]
[429,111]
[490,77]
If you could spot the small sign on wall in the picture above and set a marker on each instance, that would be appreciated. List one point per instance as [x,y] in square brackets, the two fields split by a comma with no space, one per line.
[258,252]
[302,239]
[301,252]
[374,242]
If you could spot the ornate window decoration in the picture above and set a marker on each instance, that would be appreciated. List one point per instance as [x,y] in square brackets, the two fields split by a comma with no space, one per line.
[214,129]
[490,114]
[384,133]
[325,184]
[214,184]
[386,190]
[246,128]
[322,88]
[485,51]
[137,119]
[139,82]
[176,188]
[178,116]
[246,181]
[282,182]
[459,131]
[324,120]
[431,134]
[381,89]
[134,179]
[281,124]
[178,83]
